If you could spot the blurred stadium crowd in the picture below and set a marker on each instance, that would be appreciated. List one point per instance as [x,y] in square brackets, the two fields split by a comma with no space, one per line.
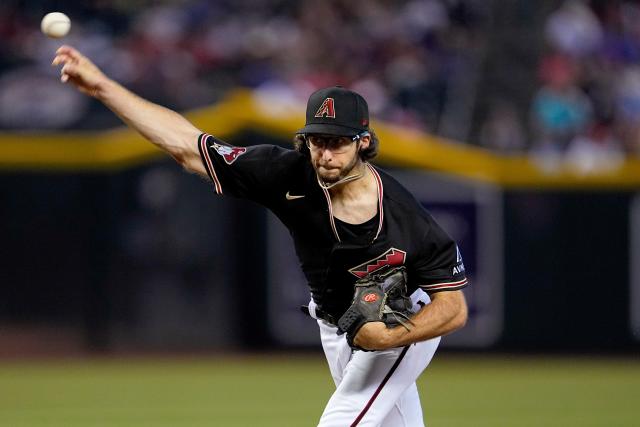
[588,101]
[420,63]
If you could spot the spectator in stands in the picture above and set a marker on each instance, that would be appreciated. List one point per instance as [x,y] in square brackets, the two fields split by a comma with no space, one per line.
[560,109]
[574,29]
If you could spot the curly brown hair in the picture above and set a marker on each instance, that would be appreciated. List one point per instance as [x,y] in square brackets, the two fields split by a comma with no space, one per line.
[367,154]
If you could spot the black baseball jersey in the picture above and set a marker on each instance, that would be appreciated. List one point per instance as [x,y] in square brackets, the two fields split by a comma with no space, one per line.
[332,254]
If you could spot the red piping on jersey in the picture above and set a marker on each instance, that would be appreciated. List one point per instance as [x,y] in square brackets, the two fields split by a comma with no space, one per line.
[380,195]
[331,220]
[445,285]
[207,159]
[380,387]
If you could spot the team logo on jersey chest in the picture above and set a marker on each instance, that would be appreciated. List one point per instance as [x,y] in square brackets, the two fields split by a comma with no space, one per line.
[229,154]
[391,257]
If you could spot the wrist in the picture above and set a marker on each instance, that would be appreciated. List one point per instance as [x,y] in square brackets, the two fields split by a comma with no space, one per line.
[104,89]
[397,337]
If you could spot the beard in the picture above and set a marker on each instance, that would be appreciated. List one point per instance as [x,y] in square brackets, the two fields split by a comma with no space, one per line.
[331,175]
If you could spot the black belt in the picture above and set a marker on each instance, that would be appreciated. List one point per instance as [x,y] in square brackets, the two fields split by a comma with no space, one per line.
[320,314]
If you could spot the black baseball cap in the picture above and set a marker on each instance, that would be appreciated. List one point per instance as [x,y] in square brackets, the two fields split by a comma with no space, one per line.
[336,111]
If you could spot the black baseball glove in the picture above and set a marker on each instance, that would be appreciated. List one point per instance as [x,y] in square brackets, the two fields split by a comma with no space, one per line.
[379,297]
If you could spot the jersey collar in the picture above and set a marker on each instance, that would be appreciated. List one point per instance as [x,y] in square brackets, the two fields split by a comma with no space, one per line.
[380,204]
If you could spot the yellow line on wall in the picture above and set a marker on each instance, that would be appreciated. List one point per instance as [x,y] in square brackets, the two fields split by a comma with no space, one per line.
[122,148]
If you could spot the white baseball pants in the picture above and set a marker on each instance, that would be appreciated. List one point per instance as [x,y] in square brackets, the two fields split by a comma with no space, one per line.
[377,388]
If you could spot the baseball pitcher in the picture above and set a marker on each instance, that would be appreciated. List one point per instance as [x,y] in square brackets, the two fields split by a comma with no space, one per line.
[385,280]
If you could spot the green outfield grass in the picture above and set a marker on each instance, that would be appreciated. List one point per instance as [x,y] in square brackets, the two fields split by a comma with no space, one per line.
[291,391]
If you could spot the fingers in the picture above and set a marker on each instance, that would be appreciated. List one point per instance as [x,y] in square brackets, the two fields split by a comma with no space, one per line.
[68,70]
[66,54]
[77,70]
[61,59]
[69,51]
[69,58]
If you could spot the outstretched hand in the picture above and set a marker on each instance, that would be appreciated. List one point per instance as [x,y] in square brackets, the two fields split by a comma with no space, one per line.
[79,70]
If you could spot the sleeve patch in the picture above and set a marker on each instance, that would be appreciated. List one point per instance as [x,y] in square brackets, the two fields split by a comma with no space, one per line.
[228,153]
[459,267]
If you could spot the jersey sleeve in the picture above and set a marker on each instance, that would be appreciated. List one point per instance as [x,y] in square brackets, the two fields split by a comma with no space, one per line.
[440,267]
[243,172]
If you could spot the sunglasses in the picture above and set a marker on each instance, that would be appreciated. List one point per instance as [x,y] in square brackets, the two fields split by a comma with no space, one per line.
[333,143]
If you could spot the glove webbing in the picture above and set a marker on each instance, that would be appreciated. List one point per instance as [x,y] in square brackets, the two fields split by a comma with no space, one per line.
[399,317]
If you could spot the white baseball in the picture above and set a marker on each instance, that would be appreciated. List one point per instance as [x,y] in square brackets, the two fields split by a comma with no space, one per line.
[55,25]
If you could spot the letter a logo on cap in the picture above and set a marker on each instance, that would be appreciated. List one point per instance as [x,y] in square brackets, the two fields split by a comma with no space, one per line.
[326,109]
